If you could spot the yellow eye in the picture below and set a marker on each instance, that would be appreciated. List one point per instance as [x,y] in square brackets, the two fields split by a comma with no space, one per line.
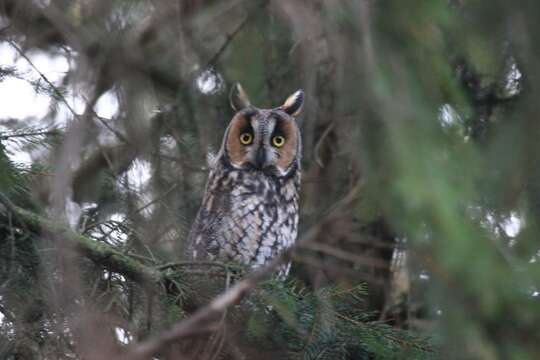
[246,138]
[278,141]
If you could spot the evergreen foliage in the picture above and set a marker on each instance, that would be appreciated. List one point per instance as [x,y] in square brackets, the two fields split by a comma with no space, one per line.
[329,323]
[420,196]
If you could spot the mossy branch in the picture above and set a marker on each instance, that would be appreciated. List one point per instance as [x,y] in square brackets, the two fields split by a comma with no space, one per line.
[98,252]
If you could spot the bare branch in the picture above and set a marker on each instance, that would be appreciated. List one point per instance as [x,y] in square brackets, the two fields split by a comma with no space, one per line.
[228,40]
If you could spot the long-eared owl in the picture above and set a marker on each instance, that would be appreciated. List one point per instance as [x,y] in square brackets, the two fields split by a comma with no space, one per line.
[249,211]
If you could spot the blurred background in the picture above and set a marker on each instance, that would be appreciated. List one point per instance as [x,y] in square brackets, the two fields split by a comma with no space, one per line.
[421,171]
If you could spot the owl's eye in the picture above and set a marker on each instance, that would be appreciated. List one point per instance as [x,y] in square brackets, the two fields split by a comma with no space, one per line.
[278,141]
[246,138]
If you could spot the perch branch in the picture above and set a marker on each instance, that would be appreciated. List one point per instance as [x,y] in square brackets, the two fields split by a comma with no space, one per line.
[206,316]
[98,252]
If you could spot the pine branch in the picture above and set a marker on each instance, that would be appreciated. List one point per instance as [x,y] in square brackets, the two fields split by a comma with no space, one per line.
[101,254]
[205,317]
[57,91]
[29,134]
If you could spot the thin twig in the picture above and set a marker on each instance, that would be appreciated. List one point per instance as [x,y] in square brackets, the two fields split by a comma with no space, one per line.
[224,266]
[333,268]
[29,134]
[156,199]
[228,40]
[317,148]
[345,255]
[53,87]
[11,244]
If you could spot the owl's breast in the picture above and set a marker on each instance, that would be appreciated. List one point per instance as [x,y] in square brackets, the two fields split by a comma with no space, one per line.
[260,219]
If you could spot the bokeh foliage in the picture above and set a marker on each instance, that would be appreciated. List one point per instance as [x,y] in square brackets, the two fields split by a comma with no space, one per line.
[421,167]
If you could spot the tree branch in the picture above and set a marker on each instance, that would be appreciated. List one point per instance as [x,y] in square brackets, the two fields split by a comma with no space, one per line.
[204,317]
[101,254]
[230,37]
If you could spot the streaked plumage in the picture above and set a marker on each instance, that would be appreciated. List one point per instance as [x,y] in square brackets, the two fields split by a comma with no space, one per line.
[249,211]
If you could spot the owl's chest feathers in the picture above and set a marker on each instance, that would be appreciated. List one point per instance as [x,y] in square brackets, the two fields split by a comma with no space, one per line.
[255,215]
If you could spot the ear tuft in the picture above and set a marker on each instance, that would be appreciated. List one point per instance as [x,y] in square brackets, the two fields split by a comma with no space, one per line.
[238,98]
[294,103]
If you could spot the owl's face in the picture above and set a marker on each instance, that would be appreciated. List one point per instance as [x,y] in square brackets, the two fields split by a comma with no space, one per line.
[266,140]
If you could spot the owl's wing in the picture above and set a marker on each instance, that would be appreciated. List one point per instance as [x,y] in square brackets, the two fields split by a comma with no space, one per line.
[203,238]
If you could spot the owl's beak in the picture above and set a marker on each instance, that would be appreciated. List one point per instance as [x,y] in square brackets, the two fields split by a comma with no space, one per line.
[260,158]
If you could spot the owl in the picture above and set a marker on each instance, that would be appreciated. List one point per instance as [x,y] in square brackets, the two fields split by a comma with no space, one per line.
[249,211]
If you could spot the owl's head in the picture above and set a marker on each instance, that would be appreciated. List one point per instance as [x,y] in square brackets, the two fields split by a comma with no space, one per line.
[266,140]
